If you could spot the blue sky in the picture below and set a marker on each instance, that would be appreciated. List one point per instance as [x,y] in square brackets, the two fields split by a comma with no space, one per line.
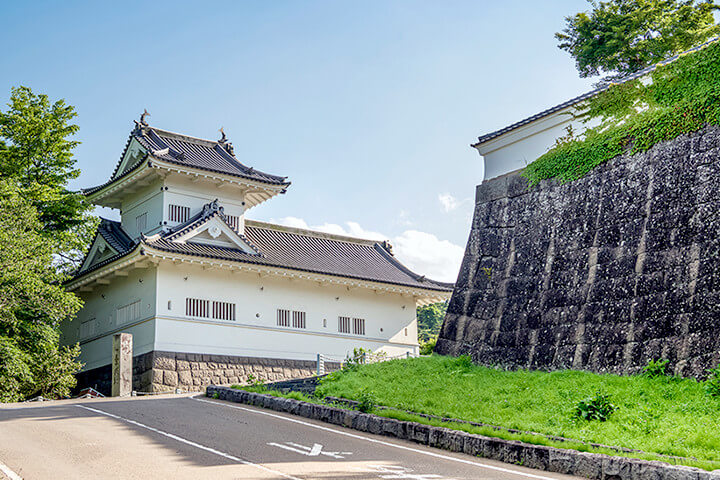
[369,107]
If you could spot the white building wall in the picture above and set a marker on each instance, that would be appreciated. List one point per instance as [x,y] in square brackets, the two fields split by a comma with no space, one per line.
[518,148]
[147,200]
[181,190]
[390,322]
[101,307]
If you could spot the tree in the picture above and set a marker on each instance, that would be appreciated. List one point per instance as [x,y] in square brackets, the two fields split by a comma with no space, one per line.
[32,303]
[620,37]
[430,319]
[36,152]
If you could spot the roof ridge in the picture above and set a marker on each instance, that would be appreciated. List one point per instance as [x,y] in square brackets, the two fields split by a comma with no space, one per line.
[311,233]
[183,136]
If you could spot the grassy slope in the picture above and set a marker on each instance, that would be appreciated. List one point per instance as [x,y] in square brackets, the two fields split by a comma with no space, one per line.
[671,417]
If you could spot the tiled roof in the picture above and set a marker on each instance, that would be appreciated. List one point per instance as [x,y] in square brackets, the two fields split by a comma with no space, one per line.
[574,101]
[196,152]
[310,253]
[282,247]
[297,249]
[179,149]
[113,233]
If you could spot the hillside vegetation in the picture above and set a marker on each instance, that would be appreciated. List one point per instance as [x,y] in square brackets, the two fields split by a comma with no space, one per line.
[661,415]
[677,98]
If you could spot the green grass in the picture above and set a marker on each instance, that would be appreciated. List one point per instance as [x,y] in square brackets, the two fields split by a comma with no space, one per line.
[666,416]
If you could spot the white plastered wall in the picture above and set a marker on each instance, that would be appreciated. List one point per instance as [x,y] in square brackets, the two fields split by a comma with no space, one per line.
[518,148]
[149,200]
[182,190]
[255,333]
[101,305]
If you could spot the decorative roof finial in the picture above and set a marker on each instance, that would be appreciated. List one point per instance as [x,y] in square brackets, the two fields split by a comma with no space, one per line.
[143,122]
[223,139]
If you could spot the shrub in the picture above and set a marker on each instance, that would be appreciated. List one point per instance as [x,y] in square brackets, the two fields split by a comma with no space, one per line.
[712,384]
[366,401]
[598,408]
[428,347]
[656,368]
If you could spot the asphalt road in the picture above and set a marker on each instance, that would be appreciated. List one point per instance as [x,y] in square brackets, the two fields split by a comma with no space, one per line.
[184,437]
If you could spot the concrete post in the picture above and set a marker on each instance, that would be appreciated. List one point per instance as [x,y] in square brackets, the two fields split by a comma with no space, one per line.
[320,364]
[122,354]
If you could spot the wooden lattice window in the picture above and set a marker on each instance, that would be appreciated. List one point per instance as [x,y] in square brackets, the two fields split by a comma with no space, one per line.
[344,324]
[359,326]
[223,310]
[283,318]
[178,213]
[298,319]
[128,313]
[195,307]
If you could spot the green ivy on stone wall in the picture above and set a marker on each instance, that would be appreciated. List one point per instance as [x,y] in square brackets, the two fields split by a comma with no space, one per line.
[682,97]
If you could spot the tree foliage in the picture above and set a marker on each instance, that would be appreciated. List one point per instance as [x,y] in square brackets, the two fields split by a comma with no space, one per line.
[44,229]
[32,303]
[37,153]
[619,37]
[683,97]
[430,319]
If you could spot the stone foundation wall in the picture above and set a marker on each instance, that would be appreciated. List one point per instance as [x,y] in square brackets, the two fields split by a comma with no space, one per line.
[604,273]
[166,371]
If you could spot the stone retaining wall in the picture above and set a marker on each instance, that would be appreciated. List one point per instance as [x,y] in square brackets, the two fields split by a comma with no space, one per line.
[589,465]
[166,371]
[603,273]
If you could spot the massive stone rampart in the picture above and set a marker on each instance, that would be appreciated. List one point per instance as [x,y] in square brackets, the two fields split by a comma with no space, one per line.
[603,273]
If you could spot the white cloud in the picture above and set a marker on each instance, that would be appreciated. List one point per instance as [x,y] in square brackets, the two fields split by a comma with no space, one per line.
[449,202]
[426,254]
[421,252]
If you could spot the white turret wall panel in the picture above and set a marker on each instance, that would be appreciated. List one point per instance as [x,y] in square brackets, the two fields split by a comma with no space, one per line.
[127,304]
[389,319]
[183,191]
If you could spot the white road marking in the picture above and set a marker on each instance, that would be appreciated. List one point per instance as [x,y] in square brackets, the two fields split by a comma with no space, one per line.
[192,444]
[396,471]
[313,451]
[6,470]
[380,442]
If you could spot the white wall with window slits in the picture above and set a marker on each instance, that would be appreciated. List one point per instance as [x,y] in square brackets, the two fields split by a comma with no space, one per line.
[102,305]
[180,190]
[87,328]
[128,313]
[148,200]
[278,318]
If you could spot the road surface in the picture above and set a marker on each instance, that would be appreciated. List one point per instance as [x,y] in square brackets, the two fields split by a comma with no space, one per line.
[193,437]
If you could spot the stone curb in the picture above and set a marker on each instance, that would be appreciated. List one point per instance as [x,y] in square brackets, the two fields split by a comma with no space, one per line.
[594,466]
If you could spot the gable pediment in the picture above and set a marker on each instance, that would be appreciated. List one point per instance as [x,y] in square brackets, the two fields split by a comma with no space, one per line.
[99,251]
[133,154]
[216,232]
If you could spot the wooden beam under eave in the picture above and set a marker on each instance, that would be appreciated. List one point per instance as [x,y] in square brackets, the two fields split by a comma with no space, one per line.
[121,273]
[86,288]
[103,281]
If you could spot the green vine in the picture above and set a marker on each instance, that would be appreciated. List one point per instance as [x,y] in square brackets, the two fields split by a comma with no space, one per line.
[683,97]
